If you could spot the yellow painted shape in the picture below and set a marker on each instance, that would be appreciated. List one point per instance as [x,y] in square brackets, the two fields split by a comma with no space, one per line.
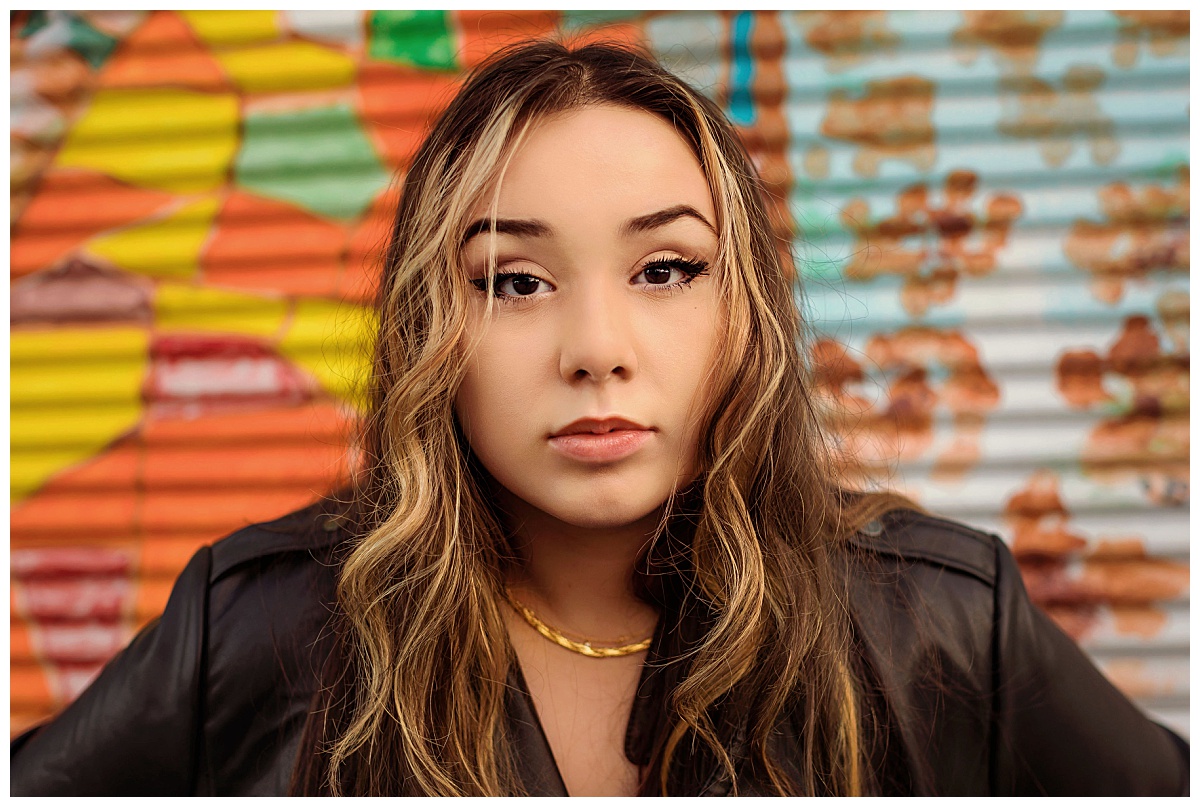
[167,248]
[181,307]
[224,28]
[31,470]
[332,340]
[170,139]
[84,384]
[284,66]
[42,431]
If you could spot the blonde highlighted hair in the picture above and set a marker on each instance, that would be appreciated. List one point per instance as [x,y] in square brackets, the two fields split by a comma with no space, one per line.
[413,698]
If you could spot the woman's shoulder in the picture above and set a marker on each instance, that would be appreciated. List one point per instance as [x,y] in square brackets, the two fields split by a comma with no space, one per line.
[270,595]
[210,696]
[270,590]
[273,580]
[908,538]
[933,580]
[311,532]
[987,690]
[922,587]
[922,595]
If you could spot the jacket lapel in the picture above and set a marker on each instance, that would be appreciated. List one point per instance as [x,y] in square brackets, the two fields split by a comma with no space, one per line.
[536,768]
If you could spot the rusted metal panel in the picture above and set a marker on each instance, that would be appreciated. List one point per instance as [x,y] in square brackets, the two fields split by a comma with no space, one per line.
[990,213]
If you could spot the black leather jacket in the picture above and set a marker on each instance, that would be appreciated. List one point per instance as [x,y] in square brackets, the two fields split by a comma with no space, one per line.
[982,693]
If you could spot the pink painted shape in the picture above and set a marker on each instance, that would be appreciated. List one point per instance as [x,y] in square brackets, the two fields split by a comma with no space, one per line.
[61,561]
[192,375]
[88,643]
[105,600]
[80,292]
[197,378]
[76,601]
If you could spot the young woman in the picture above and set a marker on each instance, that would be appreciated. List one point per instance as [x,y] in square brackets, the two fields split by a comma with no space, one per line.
[598,545]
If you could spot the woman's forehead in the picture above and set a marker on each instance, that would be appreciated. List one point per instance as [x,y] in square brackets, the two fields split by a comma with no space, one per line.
[608,162]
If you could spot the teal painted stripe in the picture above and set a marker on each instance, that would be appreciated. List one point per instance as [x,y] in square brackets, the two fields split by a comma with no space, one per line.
[741,71]
[577,19]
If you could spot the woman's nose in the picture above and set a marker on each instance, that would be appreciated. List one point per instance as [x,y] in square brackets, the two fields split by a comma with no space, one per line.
[597,340]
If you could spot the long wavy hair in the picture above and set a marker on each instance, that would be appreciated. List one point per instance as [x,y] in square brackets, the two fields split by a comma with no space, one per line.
[412,700]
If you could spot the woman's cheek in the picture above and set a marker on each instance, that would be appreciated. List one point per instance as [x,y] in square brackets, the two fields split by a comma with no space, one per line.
[493,403]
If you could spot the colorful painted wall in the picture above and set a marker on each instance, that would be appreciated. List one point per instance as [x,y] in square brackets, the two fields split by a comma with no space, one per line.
[989,209]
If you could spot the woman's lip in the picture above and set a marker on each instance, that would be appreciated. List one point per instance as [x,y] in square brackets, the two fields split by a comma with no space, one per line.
[605,447]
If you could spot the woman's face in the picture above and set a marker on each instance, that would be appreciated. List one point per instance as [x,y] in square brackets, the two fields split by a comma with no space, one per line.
[605,309]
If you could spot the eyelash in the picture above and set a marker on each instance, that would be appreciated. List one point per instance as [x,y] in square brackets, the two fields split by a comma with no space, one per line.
[691,269]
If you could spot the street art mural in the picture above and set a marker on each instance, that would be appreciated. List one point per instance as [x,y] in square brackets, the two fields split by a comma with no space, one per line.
[988,212]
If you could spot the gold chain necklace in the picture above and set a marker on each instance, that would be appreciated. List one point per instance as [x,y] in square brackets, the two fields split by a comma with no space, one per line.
[582,648]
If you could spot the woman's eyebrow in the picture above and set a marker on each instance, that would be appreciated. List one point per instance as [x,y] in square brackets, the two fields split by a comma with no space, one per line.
[526,227]
[534,228]
[652,221]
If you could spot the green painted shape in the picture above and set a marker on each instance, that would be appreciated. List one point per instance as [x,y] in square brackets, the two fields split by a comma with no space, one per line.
[574,19]
[419,38]
[95,46]
[318,159]
[36,22]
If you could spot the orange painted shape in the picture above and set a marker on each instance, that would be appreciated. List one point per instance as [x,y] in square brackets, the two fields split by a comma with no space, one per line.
[72,206]
[267,245]
[367,247]
[302,278]
[221,511]
[397,104]
[61,77]
[163,555]
[203,478]
[1136,580]
[97,498]
[58,519]
[19,720]
[1145,621]
[152,596]
[248,466]
[164,51]
[29,693]
[486,31]
[117,467]
[20,644]
[322,421]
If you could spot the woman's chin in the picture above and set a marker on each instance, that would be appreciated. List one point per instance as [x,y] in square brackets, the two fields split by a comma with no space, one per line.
[598,511]
[605,520]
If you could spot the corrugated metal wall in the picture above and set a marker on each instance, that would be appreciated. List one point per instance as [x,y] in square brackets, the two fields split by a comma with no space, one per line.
[991,215]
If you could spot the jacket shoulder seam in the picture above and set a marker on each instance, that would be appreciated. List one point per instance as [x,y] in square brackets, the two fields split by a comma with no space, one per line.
[915,536]
[298,532]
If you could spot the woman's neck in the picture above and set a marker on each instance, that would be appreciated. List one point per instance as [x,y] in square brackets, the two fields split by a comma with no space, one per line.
[580,579]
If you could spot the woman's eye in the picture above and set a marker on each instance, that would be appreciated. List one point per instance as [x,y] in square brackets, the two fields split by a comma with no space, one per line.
[518,285]
[658,274]
[672,272]
[512,285]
